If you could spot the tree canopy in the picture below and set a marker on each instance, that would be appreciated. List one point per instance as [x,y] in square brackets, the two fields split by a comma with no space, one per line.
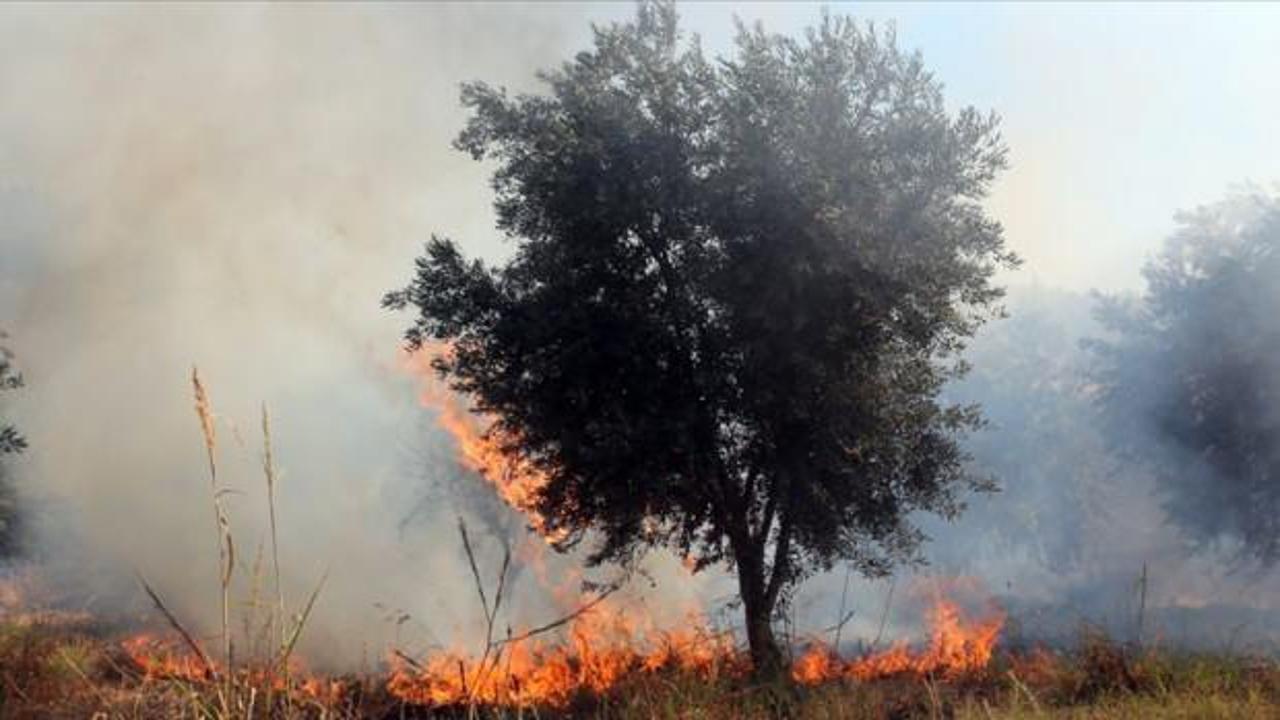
[736,289]
[1190,375]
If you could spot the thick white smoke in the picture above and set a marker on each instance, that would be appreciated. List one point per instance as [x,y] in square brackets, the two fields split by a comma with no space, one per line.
[237,187]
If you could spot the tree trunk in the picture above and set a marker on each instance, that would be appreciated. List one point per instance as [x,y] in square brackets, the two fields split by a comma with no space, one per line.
[766,656]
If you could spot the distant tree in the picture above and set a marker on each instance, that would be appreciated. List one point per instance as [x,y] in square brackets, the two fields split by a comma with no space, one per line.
[10,442]
[1190,375]
[736,291]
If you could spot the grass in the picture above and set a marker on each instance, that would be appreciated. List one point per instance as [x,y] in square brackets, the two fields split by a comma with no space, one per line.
[56,667]
[64,665]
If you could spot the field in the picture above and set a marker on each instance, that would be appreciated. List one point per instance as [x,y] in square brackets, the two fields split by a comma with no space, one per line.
[601,660]
[63,665]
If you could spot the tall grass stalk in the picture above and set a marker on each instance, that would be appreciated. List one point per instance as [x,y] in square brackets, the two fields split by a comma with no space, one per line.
[269,470]
[1142,604]
[226,548]
[490,617]
[187,637]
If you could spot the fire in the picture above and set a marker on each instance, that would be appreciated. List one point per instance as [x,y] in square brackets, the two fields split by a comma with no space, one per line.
[958,645]
[160,660]
[480,447]
[604,646]
[604,640]
[613,642]
[616,640]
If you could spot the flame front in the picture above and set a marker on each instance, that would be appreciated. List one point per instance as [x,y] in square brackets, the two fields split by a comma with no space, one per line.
[604,646]
[958,645]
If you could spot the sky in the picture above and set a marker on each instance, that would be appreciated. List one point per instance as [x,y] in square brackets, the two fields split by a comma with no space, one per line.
[236,186]
[1116,115]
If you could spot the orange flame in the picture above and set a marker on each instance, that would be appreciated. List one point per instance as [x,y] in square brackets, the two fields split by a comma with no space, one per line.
[160,660]
[480,447]
[611,642]
[608,646]
[958,645]
[604,646]
[165,660]
[615,639]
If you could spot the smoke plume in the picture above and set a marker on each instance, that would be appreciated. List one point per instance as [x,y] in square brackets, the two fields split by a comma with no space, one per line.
[236,188]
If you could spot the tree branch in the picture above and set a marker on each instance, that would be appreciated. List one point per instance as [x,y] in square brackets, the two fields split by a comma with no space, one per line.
[766,518]
[562,621]
[781,561]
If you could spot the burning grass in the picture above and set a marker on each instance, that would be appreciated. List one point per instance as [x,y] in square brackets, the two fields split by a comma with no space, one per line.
[57,668]
[602,663]
[605,658]
[958,646]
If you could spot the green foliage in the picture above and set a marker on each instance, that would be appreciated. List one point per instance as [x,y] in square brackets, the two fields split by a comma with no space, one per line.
[1191,375]
[737,289]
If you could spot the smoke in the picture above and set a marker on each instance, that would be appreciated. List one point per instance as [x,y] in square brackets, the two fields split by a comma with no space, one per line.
[1078,532]
[1190,369]
[236,187]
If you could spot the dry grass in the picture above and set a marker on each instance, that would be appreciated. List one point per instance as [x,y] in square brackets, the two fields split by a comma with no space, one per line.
[60,665]
[56,669]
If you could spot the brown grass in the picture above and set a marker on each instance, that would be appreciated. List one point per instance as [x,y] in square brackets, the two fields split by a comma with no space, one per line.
[54,668]
[60,665]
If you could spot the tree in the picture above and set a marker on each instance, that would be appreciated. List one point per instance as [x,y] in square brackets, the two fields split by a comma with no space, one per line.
[737,288]
[1190,375]
[10,442]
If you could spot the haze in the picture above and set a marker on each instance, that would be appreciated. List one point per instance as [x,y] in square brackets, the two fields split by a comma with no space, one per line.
[237,186]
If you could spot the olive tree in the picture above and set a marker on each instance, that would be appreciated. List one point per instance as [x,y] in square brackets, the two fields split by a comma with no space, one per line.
[736,288]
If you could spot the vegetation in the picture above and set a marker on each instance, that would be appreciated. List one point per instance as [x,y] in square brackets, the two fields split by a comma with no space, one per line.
[55,666]
[1192,374]
[738,288]
[732,326]
[11,441]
